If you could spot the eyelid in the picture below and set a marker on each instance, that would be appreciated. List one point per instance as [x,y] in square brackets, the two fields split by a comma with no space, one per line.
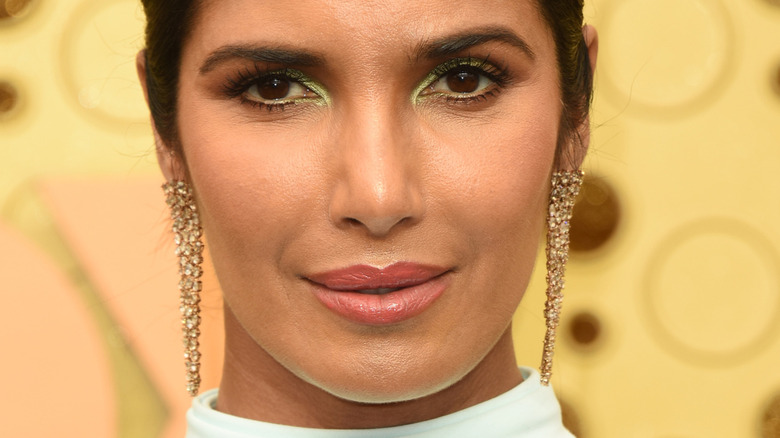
[309,83]
[238,86]
[491,71]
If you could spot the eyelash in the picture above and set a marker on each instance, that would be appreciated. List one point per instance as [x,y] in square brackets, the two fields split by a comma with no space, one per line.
[496,74]
[237,86]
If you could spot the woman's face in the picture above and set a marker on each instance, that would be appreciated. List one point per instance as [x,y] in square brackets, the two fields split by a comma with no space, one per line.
[372,178]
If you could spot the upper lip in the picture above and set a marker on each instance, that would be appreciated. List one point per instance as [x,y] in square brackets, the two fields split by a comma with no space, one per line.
[364,277]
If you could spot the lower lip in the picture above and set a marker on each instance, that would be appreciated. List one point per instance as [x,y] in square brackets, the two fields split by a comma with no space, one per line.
[389,308]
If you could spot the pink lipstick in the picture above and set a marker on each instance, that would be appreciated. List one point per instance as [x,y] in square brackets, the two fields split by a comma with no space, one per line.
[377,296]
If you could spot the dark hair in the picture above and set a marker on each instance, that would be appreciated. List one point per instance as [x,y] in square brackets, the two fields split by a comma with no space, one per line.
[565,20]
[170,21]
[168,24]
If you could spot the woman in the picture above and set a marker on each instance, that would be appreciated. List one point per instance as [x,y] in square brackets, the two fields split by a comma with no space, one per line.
[371,179]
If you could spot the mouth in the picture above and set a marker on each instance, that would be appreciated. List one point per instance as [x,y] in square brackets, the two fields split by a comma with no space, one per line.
[373,280]
[378,296]
[378,291]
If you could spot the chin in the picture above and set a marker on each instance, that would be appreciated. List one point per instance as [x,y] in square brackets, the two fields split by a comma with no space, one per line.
[387,393]
[392,383]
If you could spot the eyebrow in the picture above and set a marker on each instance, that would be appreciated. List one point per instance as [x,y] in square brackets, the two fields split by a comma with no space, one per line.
[438,48]
[459,42]
[275,55]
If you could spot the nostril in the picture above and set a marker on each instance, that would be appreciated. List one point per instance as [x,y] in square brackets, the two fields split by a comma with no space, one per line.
[352,221]
[376,225]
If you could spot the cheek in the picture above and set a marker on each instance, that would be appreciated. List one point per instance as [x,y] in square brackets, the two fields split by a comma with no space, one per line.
[496,194]
[253,190]
[497,173]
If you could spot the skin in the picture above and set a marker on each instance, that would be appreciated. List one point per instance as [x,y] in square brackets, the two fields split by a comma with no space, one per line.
[371,166]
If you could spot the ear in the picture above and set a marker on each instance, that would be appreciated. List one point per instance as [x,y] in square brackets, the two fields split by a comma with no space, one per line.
[169,161]
[591,37]
[592,41]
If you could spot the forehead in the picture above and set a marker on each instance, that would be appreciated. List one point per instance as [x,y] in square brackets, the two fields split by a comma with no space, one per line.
[371,28]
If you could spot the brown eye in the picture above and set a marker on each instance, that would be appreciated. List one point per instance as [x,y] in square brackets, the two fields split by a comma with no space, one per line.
[273,88]
[463,80]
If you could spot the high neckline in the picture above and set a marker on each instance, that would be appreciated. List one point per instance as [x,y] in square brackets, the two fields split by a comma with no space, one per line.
[529,410]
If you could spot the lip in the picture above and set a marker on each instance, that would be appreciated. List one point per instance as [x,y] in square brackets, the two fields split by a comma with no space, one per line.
[378,296]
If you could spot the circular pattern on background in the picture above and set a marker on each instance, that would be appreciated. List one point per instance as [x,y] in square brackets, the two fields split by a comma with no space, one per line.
[710,292]
[775,77]
[9,98]
[584,329]
[13,9]
[98,61]
[665,62]
[596,215]
[770,422]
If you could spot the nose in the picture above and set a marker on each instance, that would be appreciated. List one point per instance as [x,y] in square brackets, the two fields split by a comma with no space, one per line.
[378,185]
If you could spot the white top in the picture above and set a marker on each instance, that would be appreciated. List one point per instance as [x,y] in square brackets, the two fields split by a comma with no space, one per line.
[528,410]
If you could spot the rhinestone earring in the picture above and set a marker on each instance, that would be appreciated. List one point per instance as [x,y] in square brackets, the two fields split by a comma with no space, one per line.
[189,248]
[565,187]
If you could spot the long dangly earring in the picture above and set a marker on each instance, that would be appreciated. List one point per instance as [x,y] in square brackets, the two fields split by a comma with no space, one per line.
[565,187]
[189,248]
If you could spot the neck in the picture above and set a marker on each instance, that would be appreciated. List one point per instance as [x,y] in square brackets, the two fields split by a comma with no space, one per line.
[255,386]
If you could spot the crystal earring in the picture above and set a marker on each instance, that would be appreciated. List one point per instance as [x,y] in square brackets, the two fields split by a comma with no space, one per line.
[189,248]
[565,187]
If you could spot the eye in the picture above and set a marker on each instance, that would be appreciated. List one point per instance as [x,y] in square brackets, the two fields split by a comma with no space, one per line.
[272,88]
[464,79]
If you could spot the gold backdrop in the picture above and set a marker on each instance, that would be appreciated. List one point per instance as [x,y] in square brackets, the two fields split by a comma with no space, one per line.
[671,323]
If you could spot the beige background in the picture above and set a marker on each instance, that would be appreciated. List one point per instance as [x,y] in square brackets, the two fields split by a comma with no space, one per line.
[672,318]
